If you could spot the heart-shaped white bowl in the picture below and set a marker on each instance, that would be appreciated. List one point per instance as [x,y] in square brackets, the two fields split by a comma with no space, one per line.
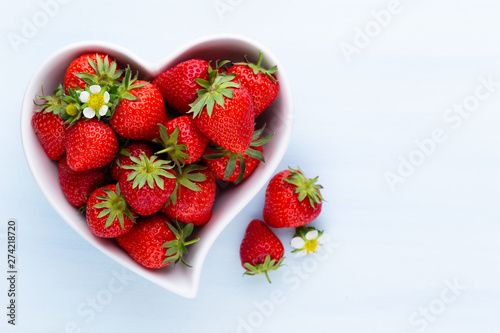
[229,202]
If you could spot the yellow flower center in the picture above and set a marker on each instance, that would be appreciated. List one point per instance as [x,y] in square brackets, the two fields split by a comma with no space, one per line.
[311,245]
[96,102]
[71,109]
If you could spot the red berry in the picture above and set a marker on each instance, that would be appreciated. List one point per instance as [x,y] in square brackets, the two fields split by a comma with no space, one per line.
[100,69]
[292,200]
[231,125]
[150,239]
[178,86]
[50,131]
[224,112]
[107,213]
[182,140]
[194,196]
[90,144]
[77,185]
[261,251]
[138,119]
[259,82]
[134,149]
[233,167]
[147,184]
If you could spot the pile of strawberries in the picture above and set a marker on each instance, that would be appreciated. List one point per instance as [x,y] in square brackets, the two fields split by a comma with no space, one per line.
[141,158]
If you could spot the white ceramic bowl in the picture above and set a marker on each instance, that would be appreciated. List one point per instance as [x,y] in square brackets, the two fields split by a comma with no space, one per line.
[231,200]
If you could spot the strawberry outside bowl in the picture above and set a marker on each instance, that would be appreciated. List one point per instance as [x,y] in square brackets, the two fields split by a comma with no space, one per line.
[230,200]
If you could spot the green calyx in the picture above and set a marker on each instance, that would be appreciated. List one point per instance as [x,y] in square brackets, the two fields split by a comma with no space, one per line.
[215,90]
[113,205]
[267,266]
[148,171]
[256,68]
[175,151]
[176,248]
[51,103]
[187,177]
[123,91]
[106,72]
[234,157]
[305,187]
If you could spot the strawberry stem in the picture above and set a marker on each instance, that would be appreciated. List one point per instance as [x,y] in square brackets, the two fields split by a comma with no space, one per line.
[166,150]
[191,242]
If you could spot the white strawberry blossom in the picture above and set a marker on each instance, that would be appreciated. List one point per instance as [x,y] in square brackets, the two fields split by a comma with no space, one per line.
[309,243]
[95,101]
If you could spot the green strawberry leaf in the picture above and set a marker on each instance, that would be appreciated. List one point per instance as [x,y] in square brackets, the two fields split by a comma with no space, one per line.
[148,170]
[176,248]
[113,205]
[267,266]
[305,187]
[218,87]
[257,68]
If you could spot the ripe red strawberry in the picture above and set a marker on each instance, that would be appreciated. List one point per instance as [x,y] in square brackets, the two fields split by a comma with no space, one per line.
[50,131]
[90,144]
[261,251]
[78,185]
[224,112]
[193,196]
[107,213]
[260,83]
[135,149]
[154,242]
[91,68]
[285,205]
[140,110]
[147,185]
[178,86]
[234,167]
[49,127]
[182,140]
